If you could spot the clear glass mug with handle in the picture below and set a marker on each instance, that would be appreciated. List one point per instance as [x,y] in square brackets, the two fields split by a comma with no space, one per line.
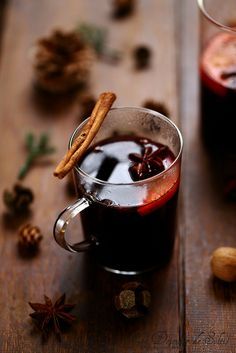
[128,227]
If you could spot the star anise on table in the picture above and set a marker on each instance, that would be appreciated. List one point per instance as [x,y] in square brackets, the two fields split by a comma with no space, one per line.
[52,316]
[146,164]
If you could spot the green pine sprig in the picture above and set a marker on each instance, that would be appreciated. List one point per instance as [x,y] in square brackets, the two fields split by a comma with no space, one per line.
[96,37]
[35,148]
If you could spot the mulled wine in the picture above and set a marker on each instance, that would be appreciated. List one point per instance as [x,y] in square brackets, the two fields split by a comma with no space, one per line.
[218,91]
[136,231]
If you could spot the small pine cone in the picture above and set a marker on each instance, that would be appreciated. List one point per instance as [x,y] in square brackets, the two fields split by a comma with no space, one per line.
[61,61]
[157,106]
[123,8]
[19,199]
[29,237]
[142,56]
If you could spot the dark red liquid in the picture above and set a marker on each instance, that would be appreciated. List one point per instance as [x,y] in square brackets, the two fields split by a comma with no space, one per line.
[218,92]
[134,234]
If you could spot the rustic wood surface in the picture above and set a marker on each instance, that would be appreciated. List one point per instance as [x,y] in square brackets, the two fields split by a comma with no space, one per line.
[208,220]
[190,310]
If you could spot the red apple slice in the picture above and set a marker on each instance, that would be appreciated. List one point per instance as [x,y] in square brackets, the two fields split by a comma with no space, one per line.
[162,200]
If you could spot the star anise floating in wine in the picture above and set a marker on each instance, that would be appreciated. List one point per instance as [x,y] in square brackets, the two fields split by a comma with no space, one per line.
[52,316]
[146,164]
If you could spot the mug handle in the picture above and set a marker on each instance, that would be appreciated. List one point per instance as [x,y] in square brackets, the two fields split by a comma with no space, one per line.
[60,227]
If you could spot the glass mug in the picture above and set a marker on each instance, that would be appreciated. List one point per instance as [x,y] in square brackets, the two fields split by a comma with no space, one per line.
[128,227]
[218,73]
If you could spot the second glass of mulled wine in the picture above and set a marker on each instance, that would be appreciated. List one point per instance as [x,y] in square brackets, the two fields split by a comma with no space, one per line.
[218,73]
[127,184]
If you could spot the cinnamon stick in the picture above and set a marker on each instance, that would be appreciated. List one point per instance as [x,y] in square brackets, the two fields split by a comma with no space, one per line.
[86,136]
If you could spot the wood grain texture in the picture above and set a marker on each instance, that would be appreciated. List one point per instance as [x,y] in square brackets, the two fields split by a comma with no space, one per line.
[99,328]
[208,220]
[2,17]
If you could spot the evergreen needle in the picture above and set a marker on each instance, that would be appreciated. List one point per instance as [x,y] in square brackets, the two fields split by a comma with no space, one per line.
[36,148]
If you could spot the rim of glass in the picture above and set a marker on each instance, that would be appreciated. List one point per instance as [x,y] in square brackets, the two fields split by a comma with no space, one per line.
[140,182]
[201,4]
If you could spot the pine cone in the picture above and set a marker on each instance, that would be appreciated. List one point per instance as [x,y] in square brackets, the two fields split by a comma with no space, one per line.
[157,106]
[142,56]
[123,8]
[29,237]
[19,199]
[62,61]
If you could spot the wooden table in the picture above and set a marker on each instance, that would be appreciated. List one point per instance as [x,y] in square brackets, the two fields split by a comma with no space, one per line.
[191,311]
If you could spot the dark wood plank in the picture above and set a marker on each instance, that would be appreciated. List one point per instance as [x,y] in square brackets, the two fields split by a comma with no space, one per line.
[208,221]
[2,17]
[99,328]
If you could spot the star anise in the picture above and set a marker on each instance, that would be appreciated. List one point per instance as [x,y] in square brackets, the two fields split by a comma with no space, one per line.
[51,316]
[147,164]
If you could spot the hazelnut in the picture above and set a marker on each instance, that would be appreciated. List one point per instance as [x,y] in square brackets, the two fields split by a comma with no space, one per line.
[223,264]
[133,300]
